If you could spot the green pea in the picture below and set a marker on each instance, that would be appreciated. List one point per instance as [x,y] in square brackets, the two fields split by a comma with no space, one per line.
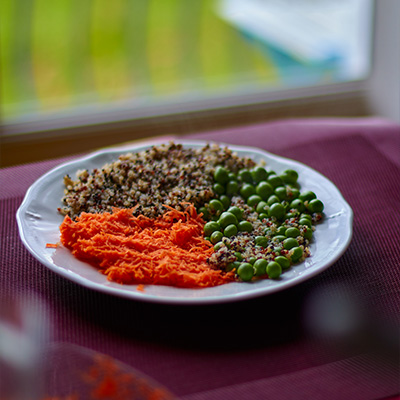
[207,238]
[247,190]
[225,200]
[283,177]
[305,215]
[264,189]
[277,210]
[290,176]
[260,267]
[245,271]
[232,176]
[218,246]
[279,238]
[232,187]
[307,196]
[315,206]
[272,200]
[259,174]
[211,227]
[298,205]
[204,211]
[262,216]
[261,241]
[280,191]
[245,176]
[290,215]
[296,253]
[252,260]
[283,262]
[275,181]
[253,200]
[215,205]
[218,188]
[293,193]
[292,232]
[231,266]
[261,207]
[307,233]
[245,226]
[221,175]
[216,237]
[305,221]
[227,218]
[236,211]
[238,256]
[289,243]
[274,270]
[281,230]
[230,230]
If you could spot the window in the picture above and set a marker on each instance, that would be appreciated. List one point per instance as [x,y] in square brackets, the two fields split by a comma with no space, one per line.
[73,67]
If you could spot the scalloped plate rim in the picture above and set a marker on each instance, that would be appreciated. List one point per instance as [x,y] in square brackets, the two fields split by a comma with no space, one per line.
[205,298]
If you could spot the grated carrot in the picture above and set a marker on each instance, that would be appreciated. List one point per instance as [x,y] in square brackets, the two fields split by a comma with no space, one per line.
[169,250]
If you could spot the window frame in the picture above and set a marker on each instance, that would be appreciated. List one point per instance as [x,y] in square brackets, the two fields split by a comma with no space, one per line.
[36,138]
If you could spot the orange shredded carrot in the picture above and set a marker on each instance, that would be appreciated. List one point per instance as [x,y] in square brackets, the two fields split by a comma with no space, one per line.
[108,380]
[51,245]
[169,250]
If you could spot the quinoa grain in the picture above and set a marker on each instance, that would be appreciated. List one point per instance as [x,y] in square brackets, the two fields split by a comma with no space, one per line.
[165,174]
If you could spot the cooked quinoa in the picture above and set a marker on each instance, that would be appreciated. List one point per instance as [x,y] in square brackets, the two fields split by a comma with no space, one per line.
[164,174]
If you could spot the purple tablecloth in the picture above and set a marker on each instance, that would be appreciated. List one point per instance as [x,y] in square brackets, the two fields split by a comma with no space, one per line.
[332,337]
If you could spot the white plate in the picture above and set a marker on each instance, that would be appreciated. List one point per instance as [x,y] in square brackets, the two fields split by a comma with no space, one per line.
[39,221]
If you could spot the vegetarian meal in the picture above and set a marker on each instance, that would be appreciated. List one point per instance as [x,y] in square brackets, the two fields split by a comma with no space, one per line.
[188,217]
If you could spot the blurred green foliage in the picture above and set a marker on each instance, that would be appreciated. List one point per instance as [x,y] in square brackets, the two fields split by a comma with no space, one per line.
[65,53]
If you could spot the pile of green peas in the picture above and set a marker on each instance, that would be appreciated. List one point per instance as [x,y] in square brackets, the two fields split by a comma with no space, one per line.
[276,199]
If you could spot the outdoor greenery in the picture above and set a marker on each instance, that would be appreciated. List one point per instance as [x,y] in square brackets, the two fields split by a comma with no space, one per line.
[65,53]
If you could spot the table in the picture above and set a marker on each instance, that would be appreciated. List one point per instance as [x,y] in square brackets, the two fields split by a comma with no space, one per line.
[332,337]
